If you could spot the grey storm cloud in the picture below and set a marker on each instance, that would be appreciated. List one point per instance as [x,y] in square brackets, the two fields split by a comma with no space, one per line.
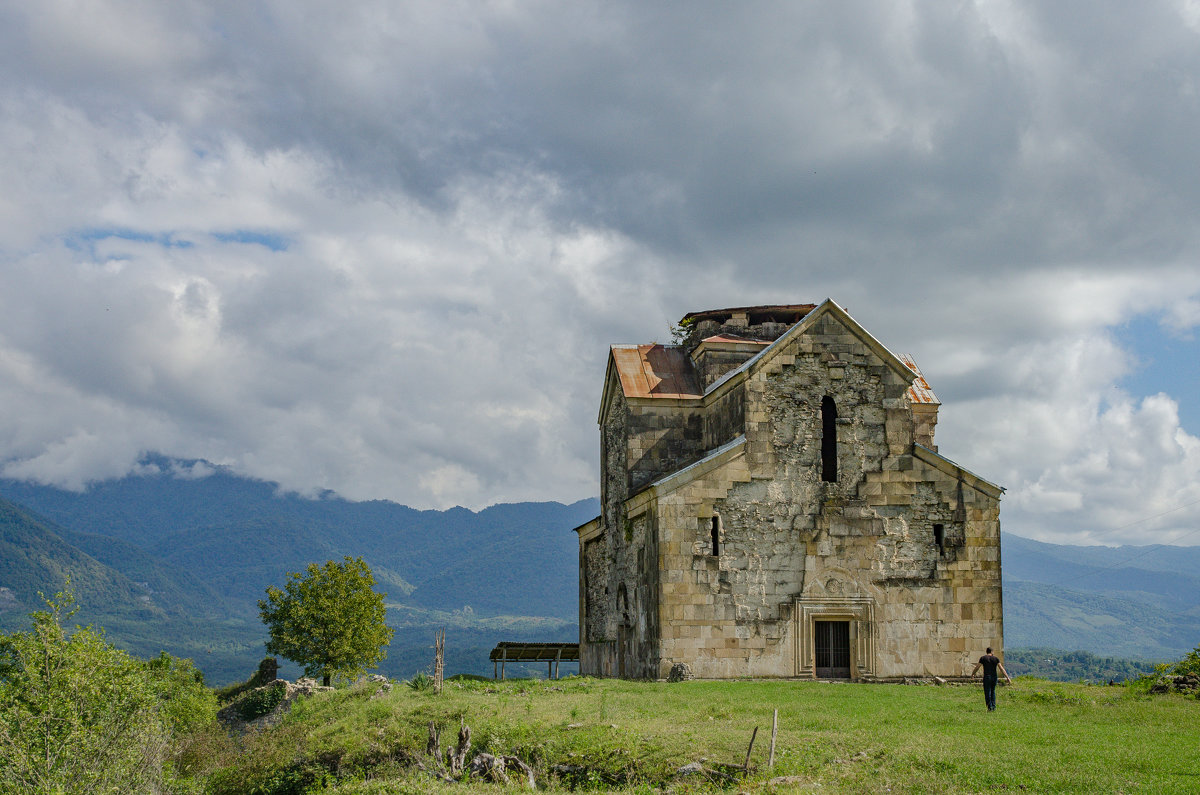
[381,247]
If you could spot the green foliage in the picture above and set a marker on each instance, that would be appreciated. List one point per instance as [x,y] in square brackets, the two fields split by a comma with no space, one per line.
[184,702]
[329,620]
[1072,666]
[262,701]
[1190,664]
[268,668]
[681,331]
[76,714]
[421,682]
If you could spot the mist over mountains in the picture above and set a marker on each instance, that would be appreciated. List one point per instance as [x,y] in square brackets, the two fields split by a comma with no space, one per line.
[176,558]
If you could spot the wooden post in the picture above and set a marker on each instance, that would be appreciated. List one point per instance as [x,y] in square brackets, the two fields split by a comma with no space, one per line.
[774,734]
[746,767]
[495,669]
[503,659]
[557,659]
[439,659]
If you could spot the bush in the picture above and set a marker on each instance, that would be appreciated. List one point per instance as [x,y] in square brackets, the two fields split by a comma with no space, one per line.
[421,682]
[184,702]
[267,670]
[76,714]
[262,701]
[1190,664]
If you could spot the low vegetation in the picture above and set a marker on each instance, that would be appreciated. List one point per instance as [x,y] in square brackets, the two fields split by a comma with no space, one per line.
[78,715]
[1074,666]
[606,735]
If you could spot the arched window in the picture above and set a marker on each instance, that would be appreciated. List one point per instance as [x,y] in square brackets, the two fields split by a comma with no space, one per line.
[829,464]
[716,535]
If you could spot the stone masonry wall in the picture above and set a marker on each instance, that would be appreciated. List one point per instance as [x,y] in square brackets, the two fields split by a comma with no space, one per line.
[790,539]
[725,417]
[621,624]
[712,364]
[662,439]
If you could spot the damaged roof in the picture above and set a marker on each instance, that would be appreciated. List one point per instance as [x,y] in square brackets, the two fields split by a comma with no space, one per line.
[780,313]
[920,391]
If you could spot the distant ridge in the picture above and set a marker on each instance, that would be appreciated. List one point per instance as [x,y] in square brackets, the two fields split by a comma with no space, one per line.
[205,548]
[1129,601]
[169,560]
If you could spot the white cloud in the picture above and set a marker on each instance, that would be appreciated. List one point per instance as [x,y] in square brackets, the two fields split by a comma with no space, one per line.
[382,248]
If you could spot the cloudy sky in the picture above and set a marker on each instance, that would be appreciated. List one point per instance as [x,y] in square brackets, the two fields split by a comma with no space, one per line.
[382,247]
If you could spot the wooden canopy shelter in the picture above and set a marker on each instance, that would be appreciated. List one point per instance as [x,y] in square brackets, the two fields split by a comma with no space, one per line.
[551,653]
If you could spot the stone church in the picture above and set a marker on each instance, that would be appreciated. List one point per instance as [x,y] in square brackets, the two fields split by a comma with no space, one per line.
[774,505]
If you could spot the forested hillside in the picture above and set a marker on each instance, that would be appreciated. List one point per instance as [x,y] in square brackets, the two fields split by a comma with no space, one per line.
[176,558]
[172,561]
[1140,602]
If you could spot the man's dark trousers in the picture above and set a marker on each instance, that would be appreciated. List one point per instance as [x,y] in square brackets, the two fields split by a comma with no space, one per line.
[989,690]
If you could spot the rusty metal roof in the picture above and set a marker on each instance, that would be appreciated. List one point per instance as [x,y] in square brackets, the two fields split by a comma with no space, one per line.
[656,371]
[920,391]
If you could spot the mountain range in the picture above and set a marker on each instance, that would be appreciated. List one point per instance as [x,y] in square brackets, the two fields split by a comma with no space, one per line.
[176,557]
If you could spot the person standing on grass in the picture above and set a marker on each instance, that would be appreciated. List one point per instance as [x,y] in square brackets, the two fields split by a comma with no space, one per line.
[990,663]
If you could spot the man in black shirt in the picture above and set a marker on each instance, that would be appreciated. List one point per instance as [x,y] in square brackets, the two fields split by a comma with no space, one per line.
[990,663]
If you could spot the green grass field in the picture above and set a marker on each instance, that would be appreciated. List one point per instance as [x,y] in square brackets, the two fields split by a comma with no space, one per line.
[833,737]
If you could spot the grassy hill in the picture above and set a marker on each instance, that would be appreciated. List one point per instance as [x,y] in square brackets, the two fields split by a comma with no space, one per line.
[606,735]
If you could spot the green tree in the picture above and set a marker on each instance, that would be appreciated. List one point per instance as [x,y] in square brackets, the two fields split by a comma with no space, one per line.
[76,714]
[329,620]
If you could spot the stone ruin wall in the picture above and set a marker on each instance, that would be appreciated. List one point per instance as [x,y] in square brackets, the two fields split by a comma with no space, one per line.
[785,532]
[639,444]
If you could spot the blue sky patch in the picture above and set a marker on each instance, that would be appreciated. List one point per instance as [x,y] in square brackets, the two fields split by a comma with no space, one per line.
[250,237]
[86,239]
[1164,362]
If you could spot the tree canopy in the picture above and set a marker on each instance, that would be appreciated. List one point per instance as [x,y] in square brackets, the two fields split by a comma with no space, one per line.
[329,619]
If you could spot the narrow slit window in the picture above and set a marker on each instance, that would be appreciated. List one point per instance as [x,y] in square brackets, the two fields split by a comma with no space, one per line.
[716,536]
[939,537]
[829,464]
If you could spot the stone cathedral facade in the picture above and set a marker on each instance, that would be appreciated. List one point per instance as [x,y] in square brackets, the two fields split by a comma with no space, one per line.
[774,505]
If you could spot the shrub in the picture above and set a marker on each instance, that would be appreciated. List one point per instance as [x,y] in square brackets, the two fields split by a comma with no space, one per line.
[184,702]
[262,701]
[76,714]
[1190,664]
[421,682]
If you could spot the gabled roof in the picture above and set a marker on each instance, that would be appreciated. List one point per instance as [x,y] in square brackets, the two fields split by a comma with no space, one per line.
[826,307]
[667,372]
